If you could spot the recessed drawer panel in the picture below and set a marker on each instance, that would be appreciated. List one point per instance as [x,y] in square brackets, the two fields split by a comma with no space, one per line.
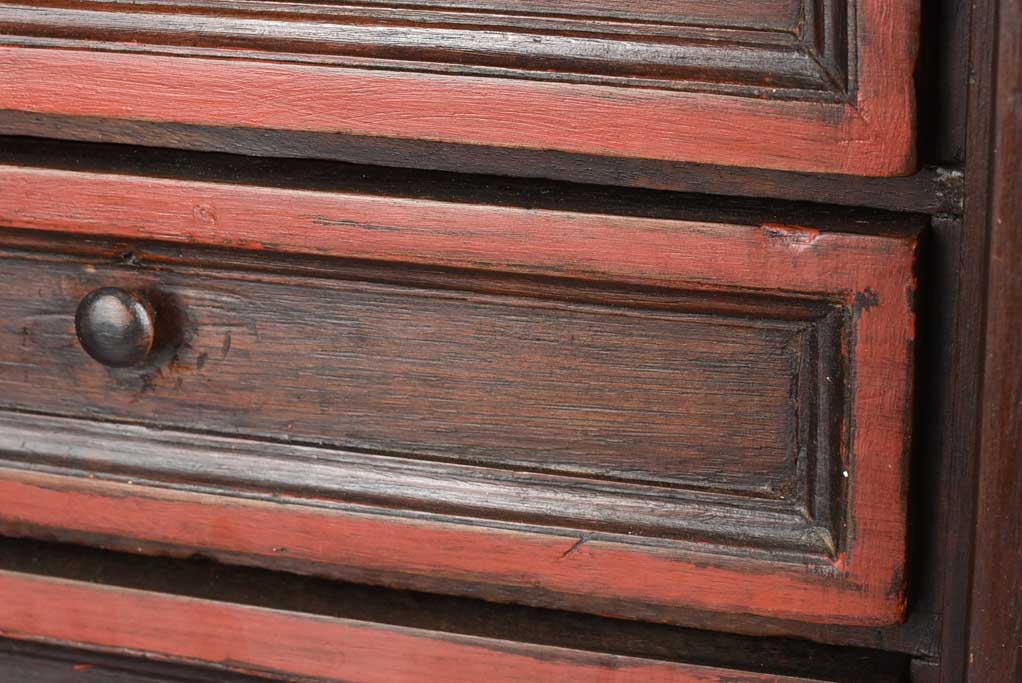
[714,418]
[658,395]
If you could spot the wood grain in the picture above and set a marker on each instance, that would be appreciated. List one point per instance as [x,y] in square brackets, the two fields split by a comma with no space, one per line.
[871,135]
[276,643]
[534,564]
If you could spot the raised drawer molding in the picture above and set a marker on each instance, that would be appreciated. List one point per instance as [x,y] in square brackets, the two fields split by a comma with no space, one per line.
[803,85]
[679,415]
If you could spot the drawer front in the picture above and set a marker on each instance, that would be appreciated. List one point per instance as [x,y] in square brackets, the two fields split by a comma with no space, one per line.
[803,85]
[725,432]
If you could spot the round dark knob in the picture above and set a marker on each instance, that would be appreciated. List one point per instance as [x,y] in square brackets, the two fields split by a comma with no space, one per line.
[115,327]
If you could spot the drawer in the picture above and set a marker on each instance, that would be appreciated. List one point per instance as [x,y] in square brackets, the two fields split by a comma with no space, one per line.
[625,415]
[797,85]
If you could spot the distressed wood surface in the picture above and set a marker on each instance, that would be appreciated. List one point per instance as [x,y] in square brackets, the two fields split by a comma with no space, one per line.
[863,129]
[945,542]
[279,643]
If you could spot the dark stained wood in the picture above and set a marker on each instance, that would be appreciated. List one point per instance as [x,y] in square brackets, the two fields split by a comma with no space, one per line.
[924,671]
[460,188]
[279,642]
[311,476]
[995,624]
[135,460]
[126,458]
[778,14]
[806,104]
[965,384]
[933,482]
[948,606]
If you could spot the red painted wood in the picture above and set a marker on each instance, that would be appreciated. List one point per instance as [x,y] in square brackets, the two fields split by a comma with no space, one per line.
[624,249]
[871,274]
[873,135]
[252,639]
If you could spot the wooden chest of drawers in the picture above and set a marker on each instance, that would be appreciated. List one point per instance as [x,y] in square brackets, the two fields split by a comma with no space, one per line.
[352,422]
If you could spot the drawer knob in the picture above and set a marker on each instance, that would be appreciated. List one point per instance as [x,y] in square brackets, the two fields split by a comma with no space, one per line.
[115,327]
